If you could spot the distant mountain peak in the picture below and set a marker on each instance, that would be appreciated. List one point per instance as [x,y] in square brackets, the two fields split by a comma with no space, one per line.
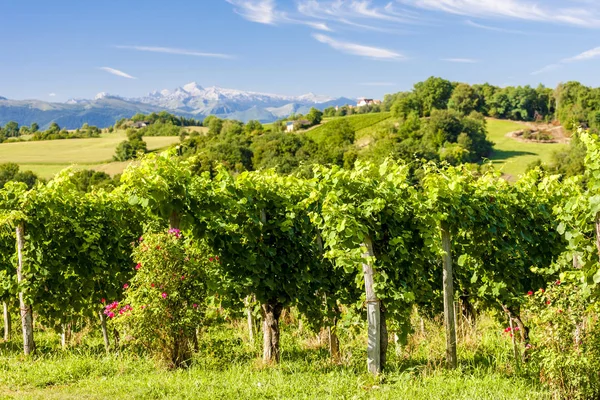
[193,88]
[3,98]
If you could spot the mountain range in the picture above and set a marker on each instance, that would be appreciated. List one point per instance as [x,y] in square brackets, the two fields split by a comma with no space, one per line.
[190,100]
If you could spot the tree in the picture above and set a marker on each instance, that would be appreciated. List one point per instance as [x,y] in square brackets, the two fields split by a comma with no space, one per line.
[34,127]
[11,129]
[464,99]
[433,93]
[314,116]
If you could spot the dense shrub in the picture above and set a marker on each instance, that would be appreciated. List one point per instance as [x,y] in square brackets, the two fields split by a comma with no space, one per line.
[164,302]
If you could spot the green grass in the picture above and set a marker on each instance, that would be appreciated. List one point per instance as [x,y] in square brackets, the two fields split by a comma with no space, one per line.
[227,367]
[512,157]
[48,157]
[360,123]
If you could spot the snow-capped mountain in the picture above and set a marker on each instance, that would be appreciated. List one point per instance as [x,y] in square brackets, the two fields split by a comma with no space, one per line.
[195,99]
[190,100]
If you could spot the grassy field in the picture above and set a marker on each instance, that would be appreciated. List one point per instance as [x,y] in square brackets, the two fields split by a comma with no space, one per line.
[46,158]
[512,157]
[227,367]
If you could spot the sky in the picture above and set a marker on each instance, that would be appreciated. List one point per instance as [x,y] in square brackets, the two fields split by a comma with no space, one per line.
[62,49]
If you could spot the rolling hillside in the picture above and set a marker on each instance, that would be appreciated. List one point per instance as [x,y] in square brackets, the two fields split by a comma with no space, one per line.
[48,157]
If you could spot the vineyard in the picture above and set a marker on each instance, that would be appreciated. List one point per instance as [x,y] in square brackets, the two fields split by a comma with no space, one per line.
[158,265]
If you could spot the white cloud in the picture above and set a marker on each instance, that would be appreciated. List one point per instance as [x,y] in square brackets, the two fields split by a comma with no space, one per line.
[514,9]
[358,49]
[265,12]
[170,50]
[52,94]
[492,28]
[586,55]
[261,11]
[547,68]
[360,14]
[377,84]
[461,60]
[117,72]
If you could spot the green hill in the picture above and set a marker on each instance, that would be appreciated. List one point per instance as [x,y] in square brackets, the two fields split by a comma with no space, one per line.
[360,122]
[511,156]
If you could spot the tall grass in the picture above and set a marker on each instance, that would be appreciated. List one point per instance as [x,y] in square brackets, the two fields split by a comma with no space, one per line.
[226,367]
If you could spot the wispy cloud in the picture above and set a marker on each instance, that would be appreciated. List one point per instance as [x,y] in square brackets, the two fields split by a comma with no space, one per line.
[513,9]
[52,94]
[493,28]
[359,49]
[377,84]
[265,12]
[461,60]
[584,56]
[117,72]
[261,11]
[547,68]
[171,50]
[360,14]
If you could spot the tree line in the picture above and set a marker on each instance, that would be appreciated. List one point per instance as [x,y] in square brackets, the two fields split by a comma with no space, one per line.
[570,103]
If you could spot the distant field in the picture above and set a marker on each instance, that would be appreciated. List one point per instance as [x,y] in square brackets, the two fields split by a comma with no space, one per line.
[48,157]
[512,157]
[360,122]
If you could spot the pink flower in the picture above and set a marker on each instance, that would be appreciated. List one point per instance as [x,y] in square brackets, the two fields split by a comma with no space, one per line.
[182,277]
[557,282]
[152,285]
[143,306]
[175,232]
[103,300]
[141,239]
[138,266]
[530,293]
[516,328]
[542,290]
[217,258]
[211,259]
[195,305]
[548,302]
[164,295]
[528,346]
[111,314]
[125,286]
[560,311]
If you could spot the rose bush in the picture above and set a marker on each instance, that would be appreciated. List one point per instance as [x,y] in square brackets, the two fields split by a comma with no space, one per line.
[164,302]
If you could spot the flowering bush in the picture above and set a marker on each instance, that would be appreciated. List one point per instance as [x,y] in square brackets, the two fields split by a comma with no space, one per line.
[163,302]
[565,337]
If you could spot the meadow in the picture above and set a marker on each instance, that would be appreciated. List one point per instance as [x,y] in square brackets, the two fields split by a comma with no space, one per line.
[227,367]
[511,156]
[48,157]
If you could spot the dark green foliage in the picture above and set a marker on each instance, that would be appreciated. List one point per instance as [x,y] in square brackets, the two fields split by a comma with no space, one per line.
[86,180]
[54,132]
[10,172]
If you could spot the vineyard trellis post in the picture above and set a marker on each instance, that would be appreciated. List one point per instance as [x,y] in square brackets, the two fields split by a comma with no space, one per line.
[448,284]
[373,313]
[104,331]
[26,309]
[7,322]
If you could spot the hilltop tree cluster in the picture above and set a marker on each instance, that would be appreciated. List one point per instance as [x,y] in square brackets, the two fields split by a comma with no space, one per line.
[571,103]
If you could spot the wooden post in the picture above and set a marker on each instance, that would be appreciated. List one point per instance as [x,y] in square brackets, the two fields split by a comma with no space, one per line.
[250,321]
[271,313]
[448,298]
[26,310]
[104,331]
[514,342]
[7,322]
[373,314]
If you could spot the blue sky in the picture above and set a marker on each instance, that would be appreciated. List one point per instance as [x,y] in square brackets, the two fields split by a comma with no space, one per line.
[56,50]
